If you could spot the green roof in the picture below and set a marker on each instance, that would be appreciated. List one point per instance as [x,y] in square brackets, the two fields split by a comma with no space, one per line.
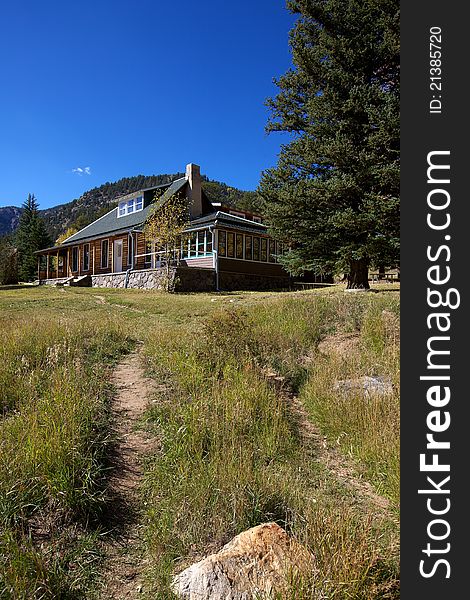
[221,218]
[110,223]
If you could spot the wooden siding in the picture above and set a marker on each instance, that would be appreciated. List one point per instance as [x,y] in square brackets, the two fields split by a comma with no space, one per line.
[98,256]
[95,255]
[140,261]
[233,265]
[203,262]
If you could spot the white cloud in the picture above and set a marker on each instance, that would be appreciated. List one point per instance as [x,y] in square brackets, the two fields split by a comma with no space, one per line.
[82,170]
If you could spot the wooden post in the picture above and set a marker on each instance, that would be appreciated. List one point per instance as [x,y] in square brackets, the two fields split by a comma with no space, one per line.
[215,241]
[78,252]
[47,266]
[112,254]
[39,269]
[57,265]
[93,254]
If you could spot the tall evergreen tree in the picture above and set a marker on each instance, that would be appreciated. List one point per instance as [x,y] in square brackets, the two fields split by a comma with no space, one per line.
[334,194]
[31,235]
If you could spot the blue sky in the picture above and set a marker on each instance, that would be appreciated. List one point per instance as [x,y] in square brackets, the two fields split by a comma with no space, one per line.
[118,88]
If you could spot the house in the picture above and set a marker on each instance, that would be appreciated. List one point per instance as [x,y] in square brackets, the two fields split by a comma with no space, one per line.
[221,248]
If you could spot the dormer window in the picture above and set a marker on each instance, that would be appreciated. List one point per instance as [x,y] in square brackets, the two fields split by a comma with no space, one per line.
[126,207]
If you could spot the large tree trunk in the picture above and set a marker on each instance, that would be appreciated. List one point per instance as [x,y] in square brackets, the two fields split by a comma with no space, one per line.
[358,276]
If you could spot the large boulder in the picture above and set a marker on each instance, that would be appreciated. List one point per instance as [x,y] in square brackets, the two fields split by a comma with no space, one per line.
[257,563]
[365,386]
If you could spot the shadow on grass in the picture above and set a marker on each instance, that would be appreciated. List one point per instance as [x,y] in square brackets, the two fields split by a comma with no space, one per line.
[18,286]
[121,509]
[386,291]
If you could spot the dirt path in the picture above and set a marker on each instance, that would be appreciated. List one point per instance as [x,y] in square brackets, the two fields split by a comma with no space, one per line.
[336,463]
[123,548]
[102,300]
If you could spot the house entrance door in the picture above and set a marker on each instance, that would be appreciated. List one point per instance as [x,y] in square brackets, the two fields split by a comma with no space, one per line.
[117,267]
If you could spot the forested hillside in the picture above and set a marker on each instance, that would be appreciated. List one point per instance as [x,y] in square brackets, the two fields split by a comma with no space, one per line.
[230,196]
[9,217]
[97,201]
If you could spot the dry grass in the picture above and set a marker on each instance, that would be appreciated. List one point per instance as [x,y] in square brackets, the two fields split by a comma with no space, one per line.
[53,437]
[365,426]
[233,455]
[232,452]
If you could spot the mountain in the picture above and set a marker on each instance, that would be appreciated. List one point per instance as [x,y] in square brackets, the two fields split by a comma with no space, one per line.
[97,201]
[9,217]
[92,204]
[230,196]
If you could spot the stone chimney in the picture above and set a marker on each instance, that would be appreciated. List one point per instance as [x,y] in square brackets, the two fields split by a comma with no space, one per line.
[193,177]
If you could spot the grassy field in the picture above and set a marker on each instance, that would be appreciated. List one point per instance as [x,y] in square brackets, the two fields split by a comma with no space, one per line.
[233,452]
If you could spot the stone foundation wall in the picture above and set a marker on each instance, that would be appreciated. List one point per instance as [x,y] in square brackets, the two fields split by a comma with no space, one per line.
[110,280]
[58,281]
[145,279]
[188,279]
[191,280]
[250,281]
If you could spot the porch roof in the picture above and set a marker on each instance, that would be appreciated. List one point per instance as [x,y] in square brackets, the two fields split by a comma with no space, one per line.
[222,218]
[49,250]
[85,240]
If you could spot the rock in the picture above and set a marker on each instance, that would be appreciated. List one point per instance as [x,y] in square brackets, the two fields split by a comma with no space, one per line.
[257,563]
[366,385]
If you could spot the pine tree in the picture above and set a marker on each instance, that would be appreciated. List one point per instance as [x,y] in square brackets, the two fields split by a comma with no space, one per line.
[31,235]
[8,262]
[334,194]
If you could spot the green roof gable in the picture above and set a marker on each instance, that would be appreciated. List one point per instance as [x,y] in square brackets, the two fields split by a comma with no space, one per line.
[110,223]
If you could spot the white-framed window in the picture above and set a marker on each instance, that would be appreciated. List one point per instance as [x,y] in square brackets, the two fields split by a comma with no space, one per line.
[200,242]
[236,213]
[75,258]
[195,244]
[86,257]
[126,207]
[104,253]
[257,219]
